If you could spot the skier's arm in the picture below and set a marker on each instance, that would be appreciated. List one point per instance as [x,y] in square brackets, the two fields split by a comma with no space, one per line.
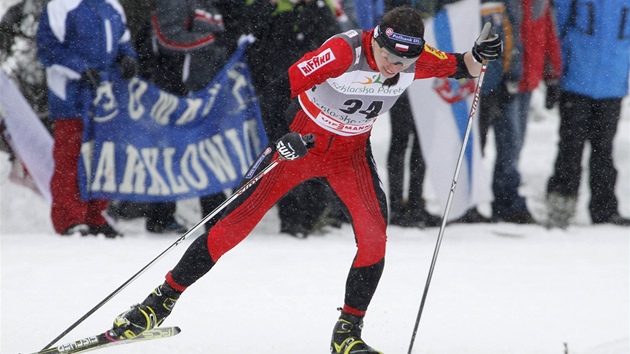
[436,63]
[330,60]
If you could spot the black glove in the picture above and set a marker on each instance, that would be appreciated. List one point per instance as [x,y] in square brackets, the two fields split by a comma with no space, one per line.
[488,46]
[128,67]
[92,77]
[553,93]
[294,146]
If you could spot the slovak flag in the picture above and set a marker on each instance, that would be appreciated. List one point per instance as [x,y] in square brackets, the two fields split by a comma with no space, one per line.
[441,108]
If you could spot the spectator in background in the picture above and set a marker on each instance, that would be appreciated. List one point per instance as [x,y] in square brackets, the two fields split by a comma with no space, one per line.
[409,212]
[496,100]
[497,104]
[181,50]
[76,41]
[138,14]
[595,40]
[346,13]
[18,54]
[526,27]
[538,29]
[284,31]
[189,42]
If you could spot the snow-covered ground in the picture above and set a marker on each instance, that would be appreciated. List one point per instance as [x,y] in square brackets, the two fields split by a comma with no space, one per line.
[496,289]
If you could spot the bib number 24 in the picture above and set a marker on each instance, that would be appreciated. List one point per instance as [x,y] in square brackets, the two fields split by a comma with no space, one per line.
[372,111]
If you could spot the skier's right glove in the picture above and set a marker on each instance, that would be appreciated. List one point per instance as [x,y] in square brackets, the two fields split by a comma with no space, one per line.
[488,46]
[92,77]
[294,146]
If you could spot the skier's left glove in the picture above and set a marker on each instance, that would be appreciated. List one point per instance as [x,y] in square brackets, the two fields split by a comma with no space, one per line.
[294,146]
[488,46]
[128,67]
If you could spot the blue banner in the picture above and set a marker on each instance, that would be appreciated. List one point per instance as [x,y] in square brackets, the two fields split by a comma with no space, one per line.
[143,144]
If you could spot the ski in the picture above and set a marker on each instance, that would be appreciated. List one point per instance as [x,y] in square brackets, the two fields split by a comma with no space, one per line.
[105,340]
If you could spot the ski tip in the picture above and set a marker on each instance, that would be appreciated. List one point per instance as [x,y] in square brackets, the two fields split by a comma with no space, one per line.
[105,339]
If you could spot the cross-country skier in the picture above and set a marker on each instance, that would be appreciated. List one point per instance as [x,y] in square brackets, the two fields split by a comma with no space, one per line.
[334,93]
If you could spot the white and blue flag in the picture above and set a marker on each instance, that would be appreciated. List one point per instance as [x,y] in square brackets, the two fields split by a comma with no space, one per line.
[441,108]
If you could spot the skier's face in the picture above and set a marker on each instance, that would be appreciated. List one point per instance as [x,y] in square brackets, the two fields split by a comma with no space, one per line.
[388,64]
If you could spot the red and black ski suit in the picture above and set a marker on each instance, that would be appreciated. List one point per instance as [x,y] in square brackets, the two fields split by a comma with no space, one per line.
[341,155]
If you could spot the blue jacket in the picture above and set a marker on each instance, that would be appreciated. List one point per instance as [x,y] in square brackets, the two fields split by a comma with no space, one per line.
[72,36]
[595,40]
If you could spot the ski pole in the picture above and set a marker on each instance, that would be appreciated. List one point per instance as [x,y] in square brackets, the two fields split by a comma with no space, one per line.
[447,209]
[218,209]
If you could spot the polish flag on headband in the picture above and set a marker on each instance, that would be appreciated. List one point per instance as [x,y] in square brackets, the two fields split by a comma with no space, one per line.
[402,47]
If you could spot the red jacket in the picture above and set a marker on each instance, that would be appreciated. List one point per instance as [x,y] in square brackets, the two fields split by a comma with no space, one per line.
[541,47]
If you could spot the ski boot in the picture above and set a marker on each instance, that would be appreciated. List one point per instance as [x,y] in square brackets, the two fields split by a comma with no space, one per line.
[560,210]
[346,338]
[147,315]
